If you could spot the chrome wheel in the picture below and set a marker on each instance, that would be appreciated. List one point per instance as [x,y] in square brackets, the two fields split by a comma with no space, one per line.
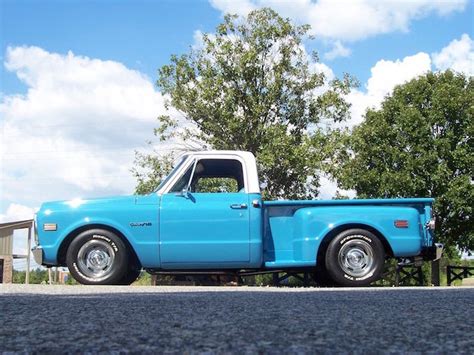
[356,258]
[95,259]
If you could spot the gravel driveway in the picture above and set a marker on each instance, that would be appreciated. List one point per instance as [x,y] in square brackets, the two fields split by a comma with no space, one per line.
[181,319]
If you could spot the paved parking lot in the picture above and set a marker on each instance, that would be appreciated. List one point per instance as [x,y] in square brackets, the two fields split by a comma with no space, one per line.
[235,319]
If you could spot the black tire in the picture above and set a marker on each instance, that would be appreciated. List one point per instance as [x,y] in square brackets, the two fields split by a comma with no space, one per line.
[321,276]
[131,275]
[355,258]
[97,257]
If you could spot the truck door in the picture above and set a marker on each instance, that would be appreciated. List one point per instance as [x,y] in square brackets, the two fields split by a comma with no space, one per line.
[204,218]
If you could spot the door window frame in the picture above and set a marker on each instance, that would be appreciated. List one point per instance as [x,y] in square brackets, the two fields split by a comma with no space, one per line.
[194,159]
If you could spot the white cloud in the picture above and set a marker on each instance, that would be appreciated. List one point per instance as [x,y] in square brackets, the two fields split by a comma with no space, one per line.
[241,7]
[17,212]
[65,90]
[317,67]
[338,50]
[329,189]
[385,74]
[457,55]
[360,102]
[339,22]
[349,20]
[75,130]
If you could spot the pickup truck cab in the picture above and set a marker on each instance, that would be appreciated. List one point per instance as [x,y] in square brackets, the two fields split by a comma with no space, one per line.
[208,215]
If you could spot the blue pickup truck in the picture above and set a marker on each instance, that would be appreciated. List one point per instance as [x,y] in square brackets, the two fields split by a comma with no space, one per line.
[208,215]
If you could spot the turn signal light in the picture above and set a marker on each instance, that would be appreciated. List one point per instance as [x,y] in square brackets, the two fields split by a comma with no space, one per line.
[50,226]
[401,223]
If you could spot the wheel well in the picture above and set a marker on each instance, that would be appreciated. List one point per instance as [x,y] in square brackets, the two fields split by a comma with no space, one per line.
[328,237]
[67,241]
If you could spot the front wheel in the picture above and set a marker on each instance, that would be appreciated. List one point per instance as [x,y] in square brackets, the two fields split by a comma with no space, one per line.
[97,257]
[130,276]
[355,257]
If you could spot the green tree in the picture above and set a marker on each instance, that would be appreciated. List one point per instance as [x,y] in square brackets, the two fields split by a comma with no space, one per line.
[419,144]
[37,276]
[251,86]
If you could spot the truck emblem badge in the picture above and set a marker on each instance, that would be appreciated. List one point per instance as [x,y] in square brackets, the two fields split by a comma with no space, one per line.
[140,224]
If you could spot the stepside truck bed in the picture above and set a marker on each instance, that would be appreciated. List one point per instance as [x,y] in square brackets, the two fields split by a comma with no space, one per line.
[294,231]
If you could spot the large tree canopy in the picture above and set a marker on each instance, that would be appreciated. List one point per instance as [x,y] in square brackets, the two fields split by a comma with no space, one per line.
[252,86]
[419,144]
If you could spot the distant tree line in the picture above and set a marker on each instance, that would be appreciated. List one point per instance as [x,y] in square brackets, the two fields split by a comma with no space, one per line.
[37,276]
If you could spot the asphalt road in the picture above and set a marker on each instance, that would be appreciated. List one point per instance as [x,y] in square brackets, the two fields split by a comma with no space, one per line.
[239,320]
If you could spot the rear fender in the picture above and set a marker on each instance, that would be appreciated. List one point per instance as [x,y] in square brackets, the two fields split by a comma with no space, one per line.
[315,226]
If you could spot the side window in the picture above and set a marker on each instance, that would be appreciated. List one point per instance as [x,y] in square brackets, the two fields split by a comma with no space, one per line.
[219,184]
[213,176]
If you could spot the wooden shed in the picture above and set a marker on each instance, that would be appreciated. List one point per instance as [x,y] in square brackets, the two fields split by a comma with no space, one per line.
[6,249]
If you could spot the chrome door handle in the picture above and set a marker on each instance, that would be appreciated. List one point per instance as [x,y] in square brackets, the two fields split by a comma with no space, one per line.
[238,206]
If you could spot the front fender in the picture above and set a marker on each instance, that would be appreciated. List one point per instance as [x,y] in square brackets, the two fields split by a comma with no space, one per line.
[137,222]
[87,223]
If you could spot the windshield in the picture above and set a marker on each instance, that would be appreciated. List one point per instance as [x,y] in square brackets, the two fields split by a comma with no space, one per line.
[180,162]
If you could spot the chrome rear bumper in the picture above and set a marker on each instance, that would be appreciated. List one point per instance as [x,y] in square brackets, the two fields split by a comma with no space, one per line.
[433,252]
[38,254]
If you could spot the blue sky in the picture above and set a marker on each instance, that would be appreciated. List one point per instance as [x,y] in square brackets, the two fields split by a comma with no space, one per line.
[77,93]
[140,34]
[143,34]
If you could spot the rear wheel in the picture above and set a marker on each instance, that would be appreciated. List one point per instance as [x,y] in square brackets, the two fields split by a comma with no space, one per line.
[355,257]
[97,257]
[321,276]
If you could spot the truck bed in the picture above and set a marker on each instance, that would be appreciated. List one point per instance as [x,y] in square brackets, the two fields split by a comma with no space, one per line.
[295,230]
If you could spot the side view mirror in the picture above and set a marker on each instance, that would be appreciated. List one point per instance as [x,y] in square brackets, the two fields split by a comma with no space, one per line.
[184,193]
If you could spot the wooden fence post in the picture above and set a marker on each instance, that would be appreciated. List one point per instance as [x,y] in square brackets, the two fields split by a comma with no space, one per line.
[435,266]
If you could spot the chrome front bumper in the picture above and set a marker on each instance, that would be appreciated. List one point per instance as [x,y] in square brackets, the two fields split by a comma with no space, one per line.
[38,254]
